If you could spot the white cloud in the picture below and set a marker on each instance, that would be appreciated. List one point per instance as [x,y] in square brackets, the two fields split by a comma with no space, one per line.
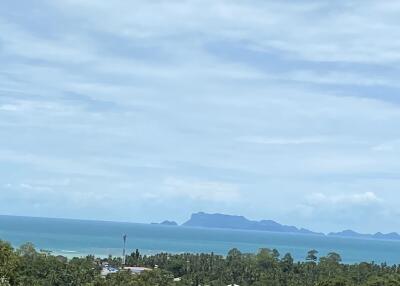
[57,164]
[27,106]
[339,31]
[336,212]
[390,146]
[343,200]
[213,191]
[34,188]
[10,107]
[61,50]
[283,141]
[190,84]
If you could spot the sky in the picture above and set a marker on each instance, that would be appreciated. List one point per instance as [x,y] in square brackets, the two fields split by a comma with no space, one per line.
[149,110]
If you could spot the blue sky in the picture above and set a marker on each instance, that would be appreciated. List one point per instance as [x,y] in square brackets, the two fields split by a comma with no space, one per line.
[142,111]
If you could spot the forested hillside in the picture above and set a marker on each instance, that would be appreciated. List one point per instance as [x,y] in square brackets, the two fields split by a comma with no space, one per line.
[27,266]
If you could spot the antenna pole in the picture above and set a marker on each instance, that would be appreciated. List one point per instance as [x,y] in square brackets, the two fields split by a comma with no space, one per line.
[123,250]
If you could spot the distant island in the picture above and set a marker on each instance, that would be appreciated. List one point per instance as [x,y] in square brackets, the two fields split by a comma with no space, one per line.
[217,220]
[378,235]
[167,222]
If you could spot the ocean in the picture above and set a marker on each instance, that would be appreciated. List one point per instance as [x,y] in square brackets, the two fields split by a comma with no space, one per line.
[101,238]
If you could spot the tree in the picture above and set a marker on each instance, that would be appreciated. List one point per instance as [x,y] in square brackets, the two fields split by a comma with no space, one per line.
[334,257]
[27,250]
[26,266]
[235,266]
[312,255]
[265,258]
[333,282]
[8,262]
[287,262]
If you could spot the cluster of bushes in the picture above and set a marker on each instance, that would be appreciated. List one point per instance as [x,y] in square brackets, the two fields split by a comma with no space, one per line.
[27,266]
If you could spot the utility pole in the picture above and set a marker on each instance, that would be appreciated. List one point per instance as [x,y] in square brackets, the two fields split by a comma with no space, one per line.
[123,250]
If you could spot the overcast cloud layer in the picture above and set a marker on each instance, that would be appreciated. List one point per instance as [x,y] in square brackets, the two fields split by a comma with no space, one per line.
[149,110]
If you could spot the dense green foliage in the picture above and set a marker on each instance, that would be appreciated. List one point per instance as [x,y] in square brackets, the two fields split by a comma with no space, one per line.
[26,266]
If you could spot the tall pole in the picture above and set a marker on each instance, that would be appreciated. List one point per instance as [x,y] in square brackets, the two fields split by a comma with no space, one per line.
[123,251]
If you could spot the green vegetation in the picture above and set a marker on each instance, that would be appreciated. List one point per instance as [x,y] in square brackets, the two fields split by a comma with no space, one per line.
[27,266]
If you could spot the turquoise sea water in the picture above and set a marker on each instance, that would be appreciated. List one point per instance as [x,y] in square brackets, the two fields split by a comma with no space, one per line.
[78,237]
